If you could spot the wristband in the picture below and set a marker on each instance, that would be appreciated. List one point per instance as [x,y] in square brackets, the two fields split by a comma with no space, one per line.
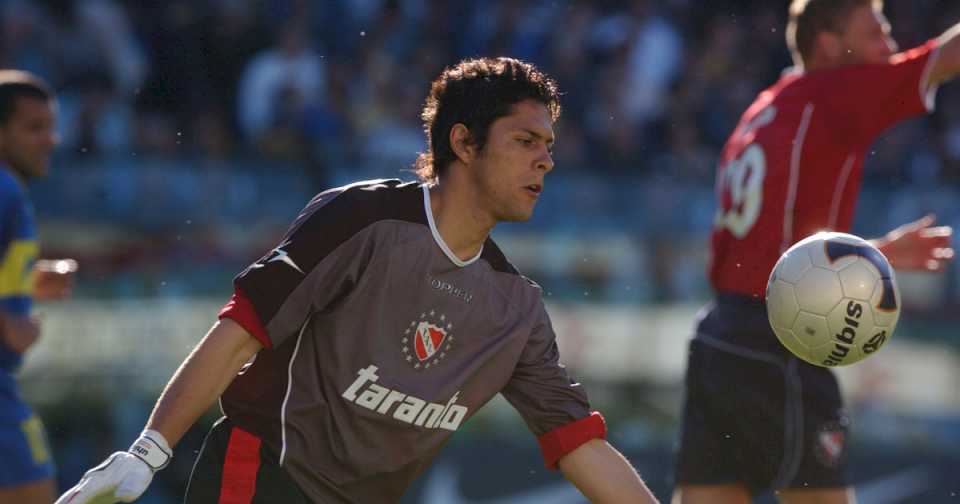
[152,448]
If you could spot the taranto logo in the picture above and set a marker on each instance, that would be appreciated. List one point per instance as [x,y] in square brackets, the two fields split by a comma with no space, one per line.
[365,392]
[427,340]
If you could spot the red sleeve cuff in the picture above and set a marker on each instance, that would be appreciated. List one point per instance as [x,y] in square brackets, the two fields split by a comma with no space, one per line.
[241,311]
[566,438]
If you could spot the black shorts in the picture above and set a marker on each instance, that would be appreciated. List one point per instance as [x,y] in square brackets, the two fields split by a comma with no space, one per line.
[235,467]
[755,414]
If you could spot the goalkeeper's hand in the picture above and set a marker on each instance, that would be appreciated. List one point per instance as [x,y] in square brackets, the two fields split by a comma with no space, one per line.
[124,476]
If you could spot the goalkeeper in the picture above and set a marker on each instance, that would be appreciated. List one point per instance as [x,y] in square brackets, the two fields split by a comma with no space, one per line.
[385,318]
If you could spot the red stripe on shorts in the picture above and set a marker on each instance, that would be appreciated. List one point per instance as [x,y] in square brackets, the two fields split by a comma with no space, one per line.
[240,468]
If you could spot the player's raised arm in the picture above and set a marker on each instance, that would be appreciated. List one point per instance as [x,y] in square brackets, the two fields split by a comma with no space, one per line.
[603,475]
[947,64]
[202,377]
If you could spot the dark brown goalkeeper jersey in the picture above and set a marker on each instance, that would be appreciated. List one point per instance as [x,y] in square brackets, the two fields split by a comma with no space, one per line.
[380,343]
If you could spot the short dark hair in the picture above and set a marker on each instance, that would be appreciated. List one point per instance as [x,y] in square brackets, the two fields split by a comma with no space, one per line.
[16,84]
[475,93]
[809,18]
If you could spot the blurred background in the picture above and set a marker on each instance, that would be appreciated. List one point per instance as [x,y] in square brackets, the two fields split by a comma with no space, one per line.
[194,130]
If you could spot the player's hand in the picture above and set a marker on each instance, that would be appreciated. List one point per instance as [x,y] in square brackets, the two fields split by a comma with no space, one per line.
[124,476]
[918,246]
[54,279]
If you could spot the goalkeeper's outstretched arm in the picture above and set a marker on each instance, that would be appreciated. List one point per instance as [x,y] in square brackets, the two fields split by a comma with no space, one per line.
[603,475]
[199,381]
[202,377]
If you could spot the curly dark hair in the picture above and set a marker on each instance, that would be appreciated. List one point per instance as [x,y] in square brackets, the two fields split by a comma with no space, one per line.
[808,18]
[475,93]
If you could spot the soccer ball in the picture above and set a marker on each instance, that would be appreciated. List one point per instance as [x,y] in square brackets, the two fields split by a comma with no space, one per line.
[832,299]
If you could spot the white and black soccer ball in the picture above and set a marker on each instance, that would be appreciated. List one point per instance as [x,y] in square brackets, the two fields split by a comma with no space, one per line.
[832,299]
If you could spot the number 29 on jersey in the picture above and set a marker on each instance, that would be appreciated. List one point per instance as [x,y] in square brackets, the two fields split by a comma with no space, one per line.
[740,186]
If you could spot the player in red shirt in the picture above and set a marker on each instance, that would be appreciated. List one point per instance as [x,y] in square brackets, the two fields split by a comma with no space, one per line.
[757,418]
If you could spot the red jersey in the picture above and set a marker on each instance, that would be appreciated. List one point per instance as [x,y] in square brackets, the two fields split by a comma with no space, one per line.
[793,165]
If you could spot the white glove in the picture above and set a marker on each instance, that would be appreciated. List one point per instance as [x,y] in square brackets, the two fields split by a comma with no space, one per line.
[124,476]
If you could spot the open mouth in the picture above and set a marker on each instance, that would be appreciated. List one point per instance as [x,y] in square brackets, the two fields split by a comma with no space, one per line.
[534,189]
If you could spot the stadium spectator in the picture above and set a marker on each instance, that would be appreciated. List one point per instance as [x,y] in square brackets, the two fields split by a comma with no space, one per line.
[280,85]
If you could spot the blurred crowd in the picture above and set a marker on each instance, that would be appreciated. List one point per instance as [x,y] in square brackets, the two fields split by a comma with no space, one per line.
[651,90]
[650,85]
[187,123]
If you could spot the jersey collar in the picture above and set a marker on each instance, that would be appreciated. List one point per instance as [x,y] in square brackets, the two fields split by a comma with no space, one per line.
[439,239]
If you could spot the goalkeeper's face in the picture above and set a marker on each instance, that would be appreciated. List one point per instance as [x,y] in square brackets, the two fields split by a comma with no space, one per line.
[511,167]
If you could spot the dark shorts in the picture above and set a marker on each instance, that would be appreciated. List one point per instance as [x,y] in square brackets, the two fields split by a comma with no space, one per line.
[754,414]
[24,452]
[235,467]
